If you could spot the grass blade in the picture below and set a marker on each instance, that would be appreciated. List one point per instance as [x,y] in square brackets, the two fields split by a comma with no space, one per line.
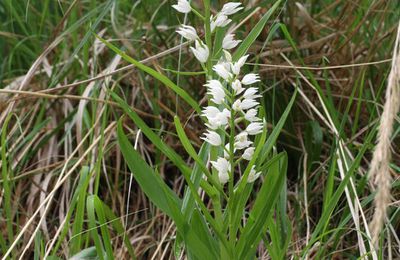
[150,182]
[182,93]
[262,209]
[255,32]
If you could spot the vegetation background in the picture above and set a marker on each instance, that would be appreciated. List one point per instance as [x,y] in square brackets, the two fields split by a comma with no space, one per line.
[60,160]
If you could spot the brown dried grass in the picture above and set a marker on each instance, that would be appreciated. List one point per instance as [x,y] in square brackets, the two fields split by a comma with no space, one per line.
[380,164]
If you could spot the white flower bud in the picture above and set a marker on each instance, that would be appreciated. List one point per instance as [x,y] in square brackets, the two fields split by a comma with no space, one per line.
[201,52]
[216,90]
[188,32]
[248,153]
[254,128]
[250,79]
[237,105]
[223,167]
[229,42]
[231,8]
[251,115]
[222,71]
[212,138]
[253,175]
[228,56]
[237,87]
[183,6]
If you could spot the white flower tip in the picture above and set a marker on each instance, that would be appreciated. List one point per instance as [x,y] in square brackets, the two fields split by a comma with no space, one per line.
[248,153]
[188,32]
[223,166]
[254,128]
[250,78]
[201,51]
[253,175]
[222,71]
[231,8]
[183,6]
[229,42]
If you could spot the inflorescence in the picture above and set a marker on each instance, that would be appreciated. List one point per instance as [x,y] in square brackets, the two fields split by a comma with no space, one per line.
[233,104]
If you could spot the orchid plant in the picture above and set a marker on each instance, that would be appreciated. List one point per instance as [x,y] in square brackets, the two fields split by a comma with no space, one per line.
[213,219]
[232,114]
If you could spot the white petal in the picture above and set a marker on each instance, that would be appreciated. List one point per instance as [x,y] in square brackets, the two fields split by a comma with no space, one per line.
[221,70]
[241,141]
[248,103]
[253,175]
[221,20]
[229,42]
[217,91]
[237,87]
[254,128]
[248,153]
[223,177]
[250,93]
[201,52]
[212,138]
[223,167]
[188,32]
[239,64]
[251,115]
[210,111]
[250,79]
[231,8]
[183,6]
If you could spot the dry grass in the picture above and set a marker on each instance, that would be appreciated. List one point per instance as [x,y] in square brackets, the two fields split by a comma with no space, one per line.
[380,171]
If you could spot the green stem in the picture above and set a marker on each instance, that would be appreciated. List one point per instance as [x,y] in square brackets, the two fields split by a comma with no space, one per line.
[216,200]
[198,14]
[207,9]
[232,235]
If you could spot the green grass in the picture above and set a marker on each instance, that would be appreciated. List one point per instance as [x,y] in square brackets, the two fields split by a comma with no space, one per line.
[70,151]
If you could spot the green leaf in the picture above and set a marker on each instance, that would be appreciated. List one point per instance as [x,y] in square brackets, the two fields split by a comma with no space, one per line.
[88,253]
[107,214]
[190,150]
[201,229]
[186,73]
[255,32]
[161,195]
[94,205]
[91,213]
[152,184]
[196,176]
[165,149]
[262,209]
[78,202]
[276,131]
[245,194]
[333,202]
[181,92]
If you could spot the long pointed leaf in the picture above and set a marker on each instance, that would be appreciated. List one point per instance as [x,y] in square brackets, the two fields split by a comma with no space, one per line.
[255,32]
[181,92]
[262,209]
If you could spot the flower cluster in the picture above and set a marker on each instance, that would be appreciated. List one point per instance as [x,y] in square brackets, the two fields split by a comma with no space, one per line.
[201,51]
[232,113]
